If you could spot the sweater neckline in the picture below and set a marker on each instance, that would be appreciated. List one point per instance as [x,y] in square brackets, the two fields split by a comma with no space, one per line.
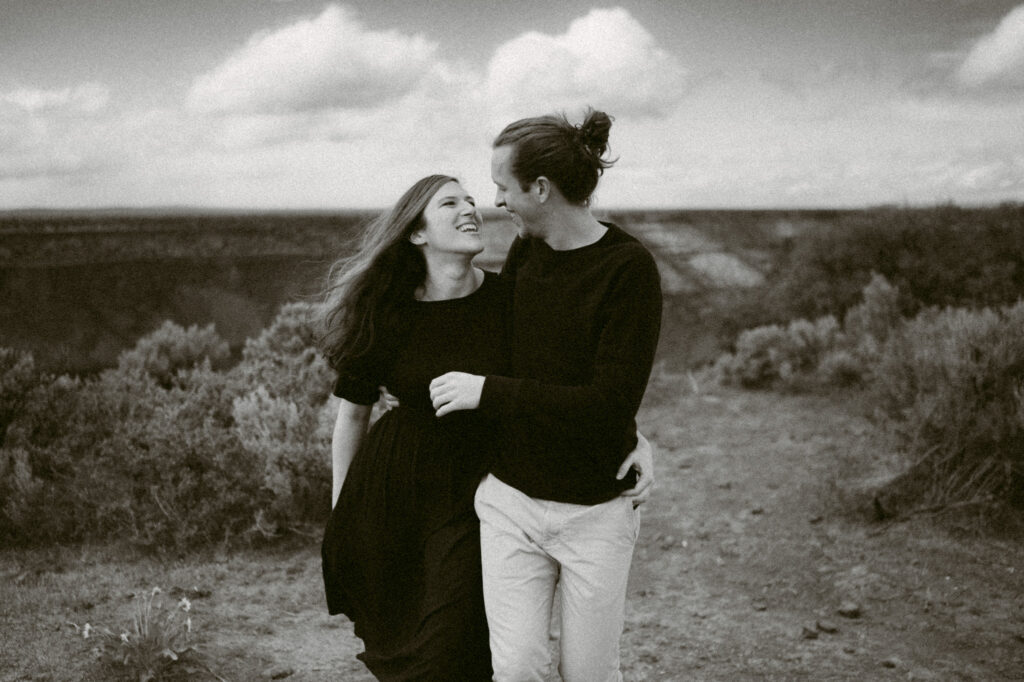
[455,301]
[568,253]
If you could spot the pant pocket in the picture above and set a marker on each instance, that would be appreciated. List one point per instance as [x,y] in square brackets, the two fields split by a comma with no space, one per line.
[634,517]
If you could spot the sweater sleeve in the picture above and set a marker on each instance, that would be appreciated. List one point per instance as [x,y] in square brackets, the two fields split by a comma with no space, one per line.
[630,322]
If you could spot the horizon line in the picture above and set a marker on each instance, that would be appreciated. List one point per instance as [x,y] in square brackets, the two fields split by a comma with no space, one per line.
[199,209]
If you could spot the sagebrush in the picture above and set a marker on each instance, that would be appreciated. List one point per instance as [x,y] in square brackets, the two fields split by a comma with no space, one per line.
[948,383]
[167,449]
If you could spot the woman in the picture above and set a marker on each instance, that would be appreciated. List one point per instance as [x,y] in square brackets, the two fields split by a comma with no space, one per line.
[401,552]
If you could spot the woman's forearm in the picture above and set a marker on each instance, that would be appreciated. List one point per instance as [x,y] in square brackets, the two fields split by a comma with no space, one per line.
[349,431]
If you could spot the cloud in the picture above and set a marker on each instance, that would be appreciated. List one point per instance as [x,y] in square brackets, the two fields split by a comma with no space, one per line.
[88,98]
[54,132]
[605,58]
[997,58]
[330,61]
[45,164]
[34,145]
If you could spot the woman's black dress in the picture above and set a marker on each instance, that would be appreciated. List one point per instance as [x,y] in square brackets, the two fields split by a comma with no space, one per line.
[401,551]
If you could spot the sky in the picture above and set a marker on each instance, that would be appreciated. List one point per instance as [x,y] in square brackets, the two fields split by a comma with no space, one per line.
[301,104]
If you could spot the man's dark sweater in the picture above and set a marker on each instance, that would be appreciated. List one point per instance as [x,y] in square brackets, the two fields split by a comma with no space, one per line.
[584,331]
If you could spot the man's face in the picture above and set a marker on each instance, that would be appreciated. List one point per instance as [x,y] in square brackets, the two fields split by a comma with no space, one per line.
[520,204]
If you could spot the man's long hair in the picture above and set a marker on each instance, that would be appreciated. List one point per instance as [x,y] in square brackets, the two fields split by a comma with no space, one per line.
[570,156]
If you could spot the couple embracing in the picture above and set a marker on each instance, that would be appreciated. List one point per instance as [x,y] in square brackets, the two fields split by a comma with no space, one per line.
[511,466]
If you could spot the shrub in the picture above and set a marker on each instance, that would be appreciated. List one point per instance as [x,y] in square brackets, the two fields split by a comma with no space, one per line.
[18,377]
[755,363]
[172,347]
[166,451]
[877,314]
[840,367]
[950,384]
[284,359]
[282,387]
[289,448]
[187,478]
[773,355]
[805,354]
[59,426]
[942,256]
[806,343]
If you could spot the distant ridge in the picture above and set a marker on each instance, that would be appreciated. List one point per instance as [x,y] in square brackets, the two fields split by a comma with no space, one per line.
[148,211]
[171,211]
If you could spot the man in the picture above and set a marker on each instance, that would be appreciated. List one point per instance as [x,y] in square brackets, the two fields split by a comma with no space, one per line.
[586,317]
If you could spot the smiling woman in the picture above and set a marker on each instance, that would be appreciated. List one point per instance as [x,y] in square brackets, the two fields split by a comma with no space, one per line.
[450,233]
[401,552]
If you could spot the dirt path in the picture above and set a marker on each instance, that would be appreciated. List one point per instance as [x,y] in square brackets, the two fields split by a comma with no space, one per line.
[745,547]
[744,561]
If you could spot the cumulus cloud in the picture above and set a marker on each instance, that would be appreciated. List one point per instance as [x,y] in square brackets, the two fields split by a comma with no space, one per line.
[605,58]
[56,132]
[997,58]
[30,148]
[329,61]
[44,164]
[88,98]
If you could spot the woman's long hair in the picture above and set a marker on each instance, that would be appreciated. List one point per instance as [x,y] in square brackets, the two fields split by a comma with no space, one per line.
[365,288]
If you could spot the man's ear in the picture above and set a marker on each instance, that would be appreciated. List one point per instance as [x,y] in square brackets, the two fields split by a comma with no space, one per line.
[417,238]
[541,188]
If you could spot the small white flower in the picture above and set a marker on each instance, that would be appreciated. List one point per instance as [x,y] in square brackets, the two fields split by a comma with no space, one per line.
[124,638]
[156,591]
[86,630]
[188,624]
[185,604]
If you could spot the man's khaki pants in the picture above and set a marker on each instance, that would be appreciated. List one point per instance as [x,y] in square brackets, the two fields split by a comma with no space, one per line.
[529,547]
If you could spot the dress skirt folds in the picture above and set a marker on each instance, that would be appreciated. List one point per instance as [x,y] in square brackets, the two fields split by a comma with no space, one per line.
[401,551]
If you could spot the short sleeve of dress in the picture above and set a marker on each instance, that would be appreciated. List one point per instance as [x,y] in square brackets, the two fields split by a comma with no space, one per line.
[359,379]
[355,388]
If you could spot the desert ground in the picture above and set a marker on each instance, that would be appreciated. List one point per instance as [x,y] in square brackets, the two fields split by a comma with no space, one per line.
[757,560]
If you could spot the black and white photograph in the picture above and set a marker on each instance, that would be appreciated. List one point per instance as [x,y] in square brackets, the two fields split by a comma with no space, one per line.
[656,340]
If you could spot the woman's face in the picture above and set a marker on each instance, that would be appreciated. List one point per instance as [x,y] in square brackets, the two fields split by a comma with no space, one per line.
[452,223]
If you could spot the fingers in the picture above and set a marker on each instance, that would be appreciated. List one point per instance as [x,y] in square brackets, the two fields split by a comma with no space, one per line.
[443,389]
[635,492]
[645,477]
[644,484]
[443,380]
[638,496]
[443,396]
[641,492]
[440,393]
[624,468]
